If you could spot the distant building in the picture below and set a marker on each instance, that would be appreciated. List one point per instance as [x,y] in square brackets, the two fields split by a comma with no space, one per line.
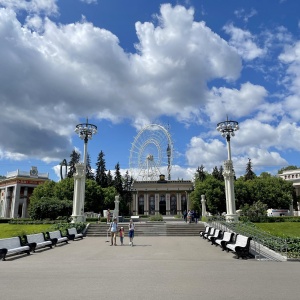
[294,176]
[15,191]
[165,197]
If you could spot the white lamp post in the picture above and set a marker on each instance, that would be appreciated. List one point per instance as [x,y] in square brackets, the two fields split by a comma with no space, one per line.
[85,131]
[227,129]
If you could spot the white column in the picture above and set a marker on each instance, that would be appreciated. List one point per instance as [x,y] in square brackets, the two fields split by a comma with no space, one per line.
[203,205]
[77,215]
[116,210]
[15,201]
[228,174]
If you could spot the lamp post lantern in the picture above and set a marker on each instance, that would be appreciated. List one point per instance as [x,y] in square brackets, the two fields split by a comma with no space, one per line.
[85,131]
[227,130]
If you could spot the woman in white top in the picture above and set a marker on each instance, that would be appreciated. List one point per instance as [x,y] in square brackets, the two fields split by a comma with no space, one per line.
[131,232]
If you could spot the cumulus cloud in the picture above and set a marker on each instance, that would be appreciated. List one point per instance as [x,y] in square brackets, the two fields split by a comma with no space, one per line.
[59,72]
[45,7]
[235,103]
[244,43]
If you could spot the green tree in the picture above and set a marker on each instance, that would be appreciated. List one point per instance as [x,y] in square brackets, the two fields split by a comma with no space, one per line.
[200,174]
[110,181]
[249,175]
[101,177]
[255,211]
[215,172]
[214,192]
[118,182]
[75,157]
[109,197]
[47,190]
[94,196]
[64,189]
[126,197]
[89,172]
[50,208]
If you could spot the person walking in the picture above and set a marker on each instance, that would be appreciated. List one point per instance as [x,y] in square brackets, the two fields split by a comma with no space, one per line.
[196,216]
[99,217]
[121,235]
[131,232]
[113,227]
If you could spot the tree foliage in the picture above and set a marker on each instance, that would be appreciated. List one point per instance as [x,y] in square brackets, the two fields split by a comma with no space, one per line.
[89,172]
[200,174]
[249,175]
[101,176]
[74,159]
[50,208]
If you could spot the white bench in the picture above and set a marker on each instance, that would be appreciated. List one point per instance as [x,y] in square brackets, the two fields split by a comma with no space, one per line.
[216,235]
[211,232]
[73,234]
[201,233]
[11,246]
[227,238]
[37,241]
[57,237]
[135,218]
[240,247]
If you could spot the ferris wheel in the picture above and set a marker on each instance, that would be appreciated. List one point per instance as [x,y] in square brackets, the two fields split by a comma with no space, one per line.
[151,153]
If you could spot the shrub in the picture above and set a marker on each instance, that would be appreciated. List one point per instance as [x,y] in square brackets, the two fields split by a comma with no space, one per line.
[156,218]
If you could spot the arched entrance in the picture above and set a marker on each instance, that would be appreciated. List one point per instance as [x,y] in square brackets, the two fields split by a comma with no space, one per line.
[162,204]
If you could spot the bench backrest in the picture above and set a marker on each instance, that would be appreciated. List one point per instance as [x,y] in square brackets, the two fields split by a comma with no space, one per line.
[10,243]
[242,240]
[217,231]
[35,238]
[55,234]
[227,236]
[207,228]
[211,231]
[72,230]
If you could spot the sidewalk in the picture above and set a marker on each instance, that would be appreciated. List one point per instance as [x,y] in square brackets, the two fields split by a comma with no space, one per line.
[155,268]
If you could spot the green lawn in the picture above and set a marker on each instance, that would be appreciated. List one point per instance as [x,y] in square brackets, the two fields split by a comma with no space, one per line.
[10,230]
[281,229]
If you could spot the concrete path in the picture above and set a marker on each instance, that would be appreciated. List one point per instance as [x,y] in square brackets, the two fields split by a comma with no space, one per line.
[155,268]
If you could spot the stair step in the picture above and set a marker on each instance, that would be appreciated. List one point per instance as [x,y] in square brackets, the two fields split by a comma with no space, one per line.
[151,229]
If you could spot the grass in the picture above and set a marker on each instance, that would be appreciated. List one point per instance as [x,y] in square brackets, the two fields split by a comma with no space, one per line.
[281,229]
[11,230]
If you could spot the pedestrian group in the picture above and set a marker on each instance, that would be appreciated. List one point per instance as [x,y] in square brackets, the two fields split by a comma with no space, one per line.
[113,228]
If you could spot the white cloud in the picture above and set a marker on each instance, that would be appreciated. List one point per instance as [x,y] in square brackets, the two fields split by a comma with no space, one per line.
[89,1]
[234,103]
[244,43]
[46,7]
[59,72]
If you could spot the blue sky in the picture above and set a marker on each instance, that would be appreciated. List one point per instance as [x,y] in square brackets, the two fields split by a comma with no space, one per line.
[125,64]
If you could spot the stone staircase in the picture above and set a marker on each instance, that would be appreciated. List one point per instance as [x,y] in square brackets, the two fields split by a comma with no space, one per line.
[150,229]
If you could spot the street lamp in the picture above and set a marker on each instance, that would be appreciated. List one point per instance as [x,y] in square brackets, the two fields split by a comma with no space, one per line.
[227,130]
[85,131]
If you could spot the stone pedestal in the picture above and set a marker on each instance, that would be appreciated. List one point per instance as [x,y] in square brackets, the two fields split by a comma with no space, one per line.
[78,197]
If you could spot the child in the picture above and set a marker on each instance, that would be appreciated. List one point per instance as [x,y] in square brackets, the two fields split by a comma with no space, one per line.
[131,232]
[121,234]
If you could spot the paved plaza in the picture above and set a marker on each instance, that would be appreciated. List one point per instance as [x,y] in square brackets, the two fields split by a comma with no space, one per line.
[155,268]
